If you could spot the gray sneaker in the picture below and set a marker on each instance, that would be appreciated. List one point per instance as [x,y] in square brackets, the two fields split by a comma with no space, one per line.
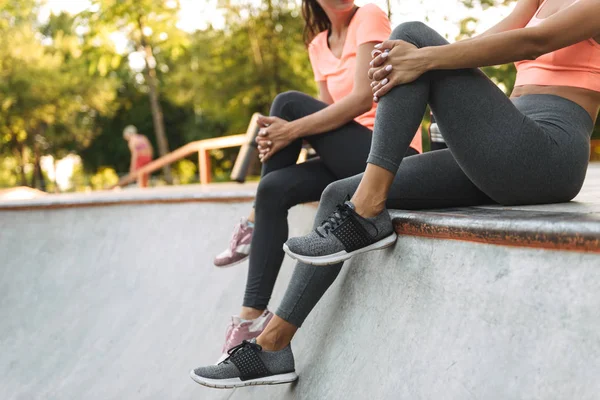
[343,235]
[247,365]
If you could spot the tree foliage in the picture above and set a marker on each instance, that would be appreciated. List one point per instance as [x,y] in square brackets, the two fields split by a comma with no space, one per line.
[48,99]
[227,75]
[69,84]
[485,4]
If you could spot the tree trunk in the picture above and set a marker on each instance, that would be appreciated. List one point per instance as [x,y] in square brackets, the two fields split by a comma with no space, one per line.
[37,179]
[22,164]
[41,179]
[54,181]
[33,181]
[389,7]
[157,114]
[253,39]
[275,50]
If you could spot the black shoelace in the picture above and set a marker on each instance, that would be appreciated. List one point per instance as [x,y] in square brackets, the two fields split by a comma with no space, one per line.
[342,212]
[245,345]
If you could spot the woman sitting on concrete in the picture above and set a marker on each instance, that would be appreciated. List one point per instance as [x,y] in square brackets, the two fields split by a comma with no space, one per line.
[342,37]
[532,148]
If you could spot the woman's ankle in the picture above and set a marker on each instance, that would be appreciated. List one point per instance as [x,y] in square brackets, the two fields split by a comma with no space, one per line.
[269,342]
[272,341]
[367,207]
[277,335]
[371,195]
[251,217]
[249,313]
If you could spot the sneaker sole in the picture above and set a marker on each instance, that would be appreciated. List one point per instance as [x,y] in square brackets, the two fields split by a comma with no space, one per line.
[342,255]
[237,382]
[233,264]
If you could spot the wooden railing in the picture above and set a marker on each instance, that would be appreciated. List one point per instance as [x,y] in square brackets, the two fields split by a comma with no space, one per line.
[202,147]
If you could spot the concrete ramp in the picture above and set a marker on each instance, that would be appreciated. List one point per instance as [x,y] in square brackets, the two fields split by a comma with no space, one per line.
[115,302]
[121,301]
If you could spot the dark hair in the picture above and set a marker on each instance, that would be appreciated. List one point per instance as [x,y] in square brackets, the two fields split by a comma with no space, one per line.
[315,18]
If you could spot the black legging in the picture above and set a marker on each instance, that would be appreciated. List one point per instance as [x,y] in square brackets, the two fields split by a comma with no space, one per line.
[342,153]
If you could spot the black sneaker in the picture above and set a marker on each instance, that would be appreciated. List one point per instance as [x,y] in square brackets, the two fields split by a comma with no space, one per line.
[343,235]
[248,364]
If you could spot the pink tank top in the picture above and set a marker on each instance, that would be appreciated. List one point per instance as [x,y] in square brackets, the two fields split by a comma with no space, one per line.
[140,144]
[577,65]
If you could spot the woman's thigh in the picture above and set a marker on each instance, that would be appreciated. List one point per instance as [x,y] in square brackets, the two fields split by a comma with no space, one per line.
[293,185]
[343,150]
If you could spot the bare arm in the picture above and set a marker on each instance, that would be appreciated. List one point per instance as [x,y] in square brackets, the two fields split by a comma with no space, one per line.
[570,26]
[324,94]
[358,102]
[567,27]
[518,18]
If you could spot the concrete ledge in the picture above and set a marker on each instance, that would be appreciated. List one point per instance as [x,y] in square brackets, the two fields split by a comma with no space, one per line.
[20,193]
[538,229]
[216,193]
[573,226]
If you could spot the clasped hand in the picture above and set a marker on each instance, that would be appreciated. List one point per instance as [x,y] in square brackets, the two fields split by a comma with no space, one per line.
[395,62]
[274,134]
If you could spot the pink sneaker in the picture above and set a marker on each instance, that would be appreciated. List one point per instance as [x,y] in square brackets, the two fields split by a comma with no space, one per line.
[239,330]
[239,247]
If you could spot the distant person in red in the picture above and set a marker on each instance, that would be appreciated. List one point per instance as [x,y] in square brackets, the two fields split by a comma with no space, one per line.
[141,151]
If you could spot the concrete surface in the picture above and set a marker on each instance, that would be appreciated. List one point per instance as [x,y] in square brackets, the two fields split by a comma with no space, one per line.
[116,302]
[163,194]
[20,193]
[120,302]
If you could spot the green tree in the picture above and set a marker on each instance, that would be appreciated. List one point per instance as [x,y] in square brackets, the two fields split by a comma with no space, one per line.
[147,24]
[227,75]
[48,100]
[89,86]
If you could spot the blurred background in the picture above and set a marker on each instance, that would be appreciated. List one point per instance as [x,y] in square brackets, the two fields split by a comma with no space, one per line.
[75,73]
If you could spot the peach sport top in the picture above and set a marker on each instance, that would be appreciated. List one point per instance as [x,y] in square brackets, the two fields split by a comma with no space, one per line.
[369,24]
[577,65]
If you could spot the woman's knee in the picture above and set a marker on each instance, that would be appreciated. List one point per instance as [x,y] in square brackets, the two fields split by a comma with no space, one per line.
[278,107]
[268,190]
[276,191]
[338,191]
[418,34]
[334,194]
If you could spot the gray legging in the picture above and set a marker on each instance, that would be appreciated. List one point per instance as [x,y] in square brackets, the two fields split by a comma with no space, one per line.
[527,150]
[342,153]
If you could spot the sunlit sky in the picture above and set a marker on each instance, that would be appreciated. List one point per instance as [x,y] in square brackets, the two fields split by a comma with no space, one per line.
[443,15]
